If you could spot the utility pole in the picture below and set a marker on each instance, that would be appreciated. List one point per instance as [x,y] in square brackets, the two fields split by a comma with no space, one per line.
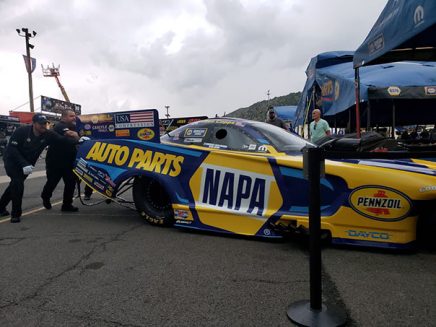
[29,46]
[54,72]
[167,114]
[267,102]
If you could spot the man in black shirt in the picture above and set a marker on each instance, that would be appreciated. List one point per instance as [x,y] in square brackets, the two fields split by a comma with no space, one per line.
[21,154]
[271,118]
[59,164]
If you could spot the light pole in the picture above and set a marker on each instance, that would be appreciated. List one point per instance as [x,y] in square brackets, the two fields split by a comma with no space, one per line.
[29,46]
[167,114]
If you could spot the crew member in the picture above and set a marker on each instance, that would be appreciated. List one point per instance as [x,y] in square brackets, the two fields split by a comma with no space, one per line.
[319,128]
[21,154]
[59,164]
[271,118]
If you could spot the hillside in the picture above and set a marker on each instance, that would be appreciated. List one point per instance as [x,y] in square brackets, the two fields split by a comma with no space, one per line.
[258,110]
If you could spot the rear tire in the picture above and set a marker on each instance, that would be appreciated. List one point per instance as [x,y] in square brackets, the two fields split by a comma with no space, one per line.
[152,201]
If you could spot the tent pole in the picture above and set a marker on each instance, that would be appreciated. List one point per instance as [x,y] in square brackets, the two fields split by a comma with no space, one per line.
[357,89]
[368,116]
[393,119]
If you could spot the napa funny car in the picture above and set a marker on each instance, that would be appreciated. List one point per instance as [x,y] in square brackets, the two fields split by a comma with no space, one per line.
[244,177]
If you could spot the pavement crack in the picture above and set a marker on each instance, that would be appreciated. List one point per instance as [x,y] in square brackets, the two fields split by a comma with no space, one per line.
[82,259]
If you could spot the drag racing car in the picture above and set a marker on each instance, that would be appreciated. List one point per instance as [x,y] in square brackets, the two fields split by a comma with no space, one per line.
[243,177]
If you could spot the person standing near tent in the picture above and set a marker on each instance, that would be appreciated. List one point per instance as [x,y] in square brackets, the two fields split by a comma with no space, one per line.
[271,118]
[319,128]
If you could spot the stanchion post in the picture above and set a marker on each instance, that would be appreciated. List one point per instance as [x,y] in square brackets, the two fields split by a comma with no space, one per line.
[314,175]
[314,312]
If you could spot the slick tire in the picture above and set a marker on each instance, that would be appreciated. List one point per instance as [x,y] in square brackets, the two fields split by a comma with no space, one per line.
[152,202]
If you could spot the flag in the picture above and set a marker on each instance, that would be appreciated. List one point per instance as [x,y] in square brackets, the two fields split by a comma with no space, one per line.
[32,63]
[137,117]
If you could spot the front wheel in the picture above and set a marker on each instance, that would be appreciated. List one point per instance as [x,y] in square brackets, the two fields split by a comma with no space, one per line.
[152,201]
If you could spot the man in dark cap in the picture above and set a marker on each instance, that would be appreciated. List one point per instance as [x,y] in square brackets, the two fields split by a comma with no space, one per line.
[21,154]
[271,118]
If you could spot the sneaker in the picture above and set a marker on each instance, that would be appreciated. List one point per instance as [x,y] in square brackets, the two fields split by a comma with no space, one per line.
[4,213]
[69,208]
[15,220]
[87,197]
[46,203]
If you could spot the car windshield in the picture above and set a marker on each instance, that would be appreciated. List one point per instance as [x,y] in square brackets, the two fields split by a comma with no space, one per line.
[282,140]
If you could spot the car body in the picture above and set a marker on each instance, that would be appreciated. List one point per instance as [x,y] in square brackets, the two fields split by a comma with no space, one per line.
[243,177]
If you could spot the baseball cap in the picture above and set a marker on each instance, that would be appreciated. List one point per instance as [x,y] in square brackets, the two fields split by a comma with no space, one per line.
[40,119]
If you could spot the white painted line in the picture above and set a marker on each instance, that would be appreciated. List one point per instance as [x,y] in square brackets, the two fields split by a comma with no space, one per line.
[30,212]
[36,174]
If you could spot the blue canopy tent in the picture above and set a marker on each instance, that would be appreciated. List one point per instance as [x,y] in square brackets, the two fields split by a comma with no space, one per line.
[403,85]
[286,113]
[405,30]
[311,88]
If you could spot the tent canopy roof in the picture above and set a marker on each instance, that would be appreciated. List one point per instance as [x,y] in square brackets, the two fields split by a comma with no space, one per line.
[405,30]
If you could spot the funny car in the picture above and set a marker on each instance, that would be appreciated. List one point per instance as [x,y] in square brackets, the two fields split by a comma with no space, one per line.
[244,177]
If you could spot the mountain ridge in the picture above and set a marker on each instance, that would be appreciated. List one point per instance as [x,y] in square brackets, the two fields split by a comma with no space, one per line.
[257,111]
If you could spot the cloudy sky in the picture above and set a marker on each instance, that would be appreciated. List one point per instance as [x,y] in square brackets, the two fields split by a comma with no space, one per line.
[200,57]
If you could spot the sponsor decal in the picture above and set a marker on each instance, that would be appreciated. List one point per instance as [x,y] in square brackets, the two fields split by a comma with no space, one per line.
[100,128]
[428,188]
[193,140]
[99,186]
[234,190]
[327,88]
[252,147]
[134,119]
[418,15]
[122,132]
[368,234]
[377,44]
[430,90]
[380,203]
[123,156]
[195,132]
[111,128]
[394,91]
[181,214]
[145,134]
[215,146]
[87,126]
[108,193]
[88,178]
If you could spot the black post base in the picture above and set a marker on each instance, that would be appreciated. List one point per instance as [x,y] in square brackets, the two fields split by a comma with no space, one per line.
[301,314]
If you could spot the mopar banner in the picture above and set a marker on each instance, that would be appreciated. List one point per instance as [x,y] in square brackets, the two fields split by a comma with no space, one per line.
[136,125]
[170,124]
[57,106]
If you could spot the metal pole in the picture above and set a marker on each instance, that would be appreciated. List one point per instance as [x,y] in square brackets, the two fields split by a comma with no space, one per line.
[314,156]
[29,71]
[314,312]
[357,89]
[393,119]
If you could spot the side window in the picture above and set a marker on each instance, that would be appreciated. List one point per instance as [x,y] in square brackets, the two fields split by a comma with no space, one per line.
[231,138]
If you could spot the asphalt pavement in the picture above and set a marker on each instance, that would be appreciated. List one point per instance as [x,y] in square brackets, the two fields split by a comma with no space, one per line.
[104,266]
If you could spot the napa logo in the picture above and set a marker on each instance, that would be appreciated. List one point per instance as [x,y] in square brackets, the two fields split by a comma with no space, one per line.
[394,91]
[234,190]
[145,134]
[380,203]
